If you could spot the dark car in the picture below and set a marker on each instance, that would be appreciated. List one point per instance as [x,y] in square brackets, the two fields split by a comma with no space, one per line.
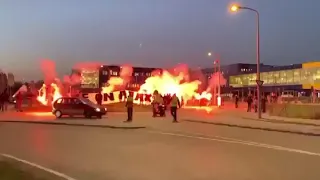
[77,106]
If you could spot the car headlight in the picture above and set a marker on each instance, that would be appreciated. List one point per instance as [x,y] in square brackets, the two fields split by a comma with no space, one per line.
[98,109]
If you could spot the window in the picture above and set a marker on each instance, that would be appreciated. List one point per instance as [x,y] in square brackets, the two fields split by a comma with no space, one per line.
[289,76]
[75,101]
[66,101]
[296,76]
[283,77]
[59,101]
[114,73]
[105,73]
[136,74]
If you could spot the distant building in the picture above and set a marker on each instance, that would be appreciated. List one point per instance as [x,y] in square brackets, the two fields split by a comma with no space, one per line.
[94,79]
[295,77]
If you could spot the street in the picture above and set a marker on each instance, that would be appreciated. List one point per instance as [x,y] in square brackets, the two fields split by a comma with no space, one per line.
[172,151]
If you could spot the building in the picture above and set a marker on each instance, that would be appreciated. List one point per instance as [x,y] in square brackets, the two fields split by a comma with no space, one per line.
[93,79]
[296,77]
[232,70]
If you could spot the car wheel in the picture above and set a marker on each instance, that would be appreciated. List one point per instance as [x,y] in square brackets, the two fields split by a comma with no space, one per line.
[58,114]
[87,115]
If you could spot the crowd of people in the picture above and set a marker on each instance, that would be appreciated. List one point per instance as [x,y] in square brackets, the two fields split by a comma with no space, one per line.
[252,103]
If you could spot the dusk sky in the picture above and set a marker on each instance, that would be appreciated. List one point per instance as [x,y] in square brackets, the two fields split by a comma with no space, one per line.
[156,33]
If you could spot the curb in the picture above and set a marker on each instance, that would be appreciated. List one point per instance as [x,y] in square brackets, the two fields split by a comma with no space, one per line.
[256,128]
[281,121]
[74,124]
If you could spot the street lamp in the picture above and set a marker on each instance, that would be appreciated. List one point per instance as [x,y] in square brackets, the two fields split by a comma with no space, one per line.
[217,63]
[235,8]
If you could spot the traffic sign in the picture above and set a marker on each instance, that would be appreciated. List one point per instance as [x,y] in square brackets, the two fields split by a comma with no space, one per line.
[259,82]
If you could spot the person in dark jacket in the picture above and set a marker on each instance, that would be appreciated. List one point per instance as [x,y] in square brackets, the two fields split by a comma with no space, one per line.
[263,104]
[129,105]
[98,98]
[236,101]
[19,99]
[175,104]
[4,100]
[249,101]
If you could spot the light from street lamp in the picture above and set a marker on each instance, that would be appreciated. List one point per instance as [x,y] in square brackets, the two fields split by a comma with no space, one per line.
[234,8]
[209,54]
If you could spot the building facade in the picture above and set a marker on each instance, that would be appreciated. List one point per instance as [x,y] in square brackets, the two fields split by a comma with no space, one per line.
[295,77]
[94,79]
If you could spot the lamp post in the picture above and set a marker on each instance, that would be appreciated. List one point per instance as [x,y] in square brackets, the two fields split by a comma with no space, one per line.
[217,64]
[235,8]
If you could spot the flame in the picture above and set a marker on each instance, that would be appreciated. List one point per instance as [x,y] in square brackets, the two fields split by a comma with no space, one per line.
[167,83]
[43,96]
[208,109]
[113,82]
[203,95]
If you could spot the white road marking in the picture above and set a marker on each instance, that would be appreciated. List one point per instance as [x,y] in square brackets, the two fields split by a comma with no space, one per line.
[61,175]
[236,141]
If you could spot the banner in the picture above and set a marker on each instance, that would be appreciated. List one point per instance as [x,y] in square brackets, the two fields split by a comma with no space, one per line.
[120,96]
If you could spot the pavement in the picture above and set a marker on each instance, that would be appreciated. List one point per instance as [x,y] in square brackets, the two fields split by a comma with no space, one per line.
[225,116]
[222,144]
[100,154]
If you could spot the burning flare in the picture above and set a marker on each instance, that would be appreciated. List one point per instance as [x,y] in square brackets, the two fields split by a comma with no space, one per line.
[43,97]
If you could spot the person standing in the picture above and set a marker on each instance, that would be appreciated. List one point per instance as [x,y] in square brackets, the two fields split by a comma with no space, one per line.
[236,101]
[255,104]
[5,99]
[19,100]
[155,103]
[249,101]
[129,105]
[2,102]
[263,104]
[175,104]
[98,98]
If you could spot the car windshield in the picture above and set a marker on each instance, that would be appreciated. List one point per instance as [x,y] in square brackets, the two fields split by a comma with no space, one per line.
[87,101]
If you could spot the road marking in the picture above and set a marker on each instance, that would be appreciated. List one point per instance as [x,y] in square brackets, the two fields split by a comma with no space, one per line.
[61,175]
[236,141]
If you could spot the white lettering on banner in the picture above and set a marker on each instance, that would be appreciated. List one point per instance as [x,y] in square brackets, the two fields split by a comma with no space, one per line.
[120,96]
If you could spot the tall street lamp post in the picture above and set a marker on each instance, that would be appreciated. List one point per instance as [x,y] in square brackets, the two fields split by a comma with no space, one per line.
[216,63]
[235,8]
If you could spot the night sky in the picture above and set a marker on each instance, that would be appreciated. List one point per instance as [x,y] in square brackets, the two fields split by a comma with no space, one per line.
[156,33]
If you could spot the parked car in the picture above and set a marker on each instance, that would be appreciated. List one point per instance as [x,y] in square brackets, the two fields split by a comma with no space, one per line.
[72,106]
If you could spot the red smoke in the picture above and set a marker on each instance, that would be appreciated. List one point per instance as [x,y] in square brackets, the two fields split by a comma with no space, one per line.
[48,68]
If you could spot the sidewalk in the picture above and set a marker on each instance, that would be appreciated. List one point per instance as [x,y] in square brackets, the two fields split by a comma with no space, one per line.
[243,119]
[224,117]
[241,111]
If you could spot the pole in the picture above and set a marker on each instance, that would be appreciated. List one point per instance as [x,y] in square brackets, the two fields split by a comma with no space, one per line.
[215,85]
[219,71]
[258,64]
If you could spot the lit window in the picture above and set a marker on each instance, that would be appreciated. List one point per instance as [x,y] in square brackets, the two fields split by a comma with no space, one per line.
[114,73]
[105,73]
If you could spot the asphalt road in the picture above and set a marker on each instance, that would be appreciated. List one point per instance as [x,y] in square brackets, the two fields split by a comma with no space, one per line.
[108,154]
